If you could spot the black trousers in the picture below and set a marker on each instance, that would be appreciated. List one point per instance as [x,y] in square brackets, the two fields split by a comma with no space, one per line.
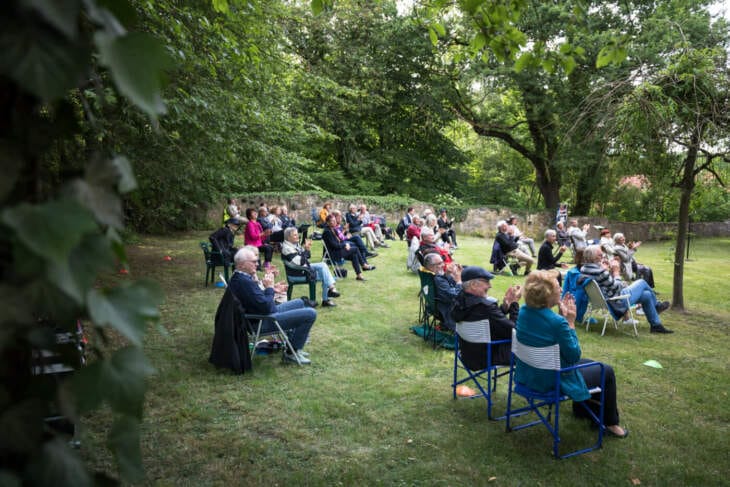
[592,376]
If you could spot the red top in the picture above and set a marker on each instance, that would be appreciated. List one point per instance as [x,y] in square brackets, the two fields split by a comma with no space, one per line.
[413,231]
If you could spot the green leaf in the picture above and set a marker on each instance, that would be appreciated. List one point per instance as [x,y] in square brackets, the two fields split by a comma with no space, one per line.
[433,36]
[127,181]
[317,7]
[440,30]
[524,61]
[76,275]
[126,308]
[88,386]
[58,464]
[479,41]
[568,64]
[64,223]
[105,204]
[221,6]
[124,380]
[41,61]
[136,62]
[123,441]
[62,14]
[605,56]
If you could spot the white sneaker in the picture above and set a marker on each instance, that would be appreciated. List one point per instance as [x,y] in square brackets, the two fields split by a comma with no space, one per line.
[639,312]
[302,353]
[630,322]
[290,357]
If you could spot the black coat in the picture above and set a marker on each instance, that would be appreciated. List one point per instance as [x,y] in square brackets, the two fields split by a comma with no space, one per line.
[468,307]
[222,241]
[230,342]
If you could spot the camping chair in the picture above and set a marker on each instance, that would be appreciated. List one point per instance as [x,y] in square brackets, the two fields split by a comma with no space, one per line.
[599,305]
[297,274]
[337,267]
[477,332]
[258,326]
[432,320]
[501,261]
[213,259]
[548,358]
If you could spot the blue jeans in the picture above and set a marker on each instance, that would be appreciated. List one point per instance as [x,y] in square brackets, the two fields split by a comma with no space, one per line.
[640,292]
[296,319]
[323,275]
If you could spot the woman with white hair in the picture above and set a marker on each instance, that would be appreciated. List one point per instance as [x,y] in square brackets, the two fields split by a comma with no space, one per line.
[631,268]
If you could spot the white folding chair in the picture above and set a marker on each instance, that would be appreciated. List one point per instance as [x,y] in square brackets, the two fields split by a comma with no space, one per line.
[599,305]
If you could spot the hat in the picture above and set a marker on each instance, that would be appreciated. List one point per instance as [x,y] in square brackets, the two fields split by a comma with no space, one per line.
[475,272]
[234,221]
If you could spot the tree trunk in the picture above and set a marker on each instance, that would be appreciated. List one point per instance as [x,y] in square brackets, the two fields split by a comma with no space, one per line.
[686,187]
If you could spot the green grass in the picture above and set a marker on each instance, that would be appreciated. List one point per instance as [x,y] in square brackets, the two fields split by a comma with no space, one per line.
[375,406]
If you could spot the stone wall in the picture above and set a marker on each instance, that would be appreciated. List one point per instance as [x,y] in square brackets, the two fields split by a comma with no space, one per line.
[483,221]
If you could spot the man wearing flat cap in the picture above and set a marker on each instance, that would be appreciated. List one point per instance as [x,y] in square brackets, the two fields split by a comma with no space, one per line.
[473,305]
[222,240]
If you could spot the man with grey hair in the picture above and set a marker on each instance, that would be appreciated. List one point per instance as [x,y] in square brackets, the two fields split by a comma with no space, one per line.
[608,278]
[546,260]
[298,255]
[508,246]
[294,316]
[473,304]
[430,245]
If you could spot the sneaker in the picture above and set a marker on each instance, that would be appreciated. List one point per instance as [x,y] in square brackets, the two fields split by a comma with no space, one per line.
[639,312]
[630,322]
[660,329]
[302,353]
[663,306]
[333,293]
[290,357]
[384,245]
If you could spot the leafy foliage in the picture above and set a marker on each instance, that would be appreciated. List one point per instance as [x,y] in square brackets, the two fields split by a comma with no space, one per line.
[61,219]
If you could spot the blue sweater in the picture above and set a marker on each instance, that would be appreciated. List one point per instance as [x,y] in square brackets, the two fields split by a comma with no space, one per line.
[541,327]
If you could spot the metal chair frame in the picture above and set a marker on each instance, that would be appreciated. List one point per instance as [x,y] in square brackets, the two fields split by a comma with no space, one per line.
[548,358]
[599,305]
[478,332]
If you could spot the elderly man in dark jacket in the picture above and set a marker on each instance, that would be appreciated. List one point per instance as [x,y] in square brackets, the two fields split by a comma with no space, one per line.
[447,283]
[473,304]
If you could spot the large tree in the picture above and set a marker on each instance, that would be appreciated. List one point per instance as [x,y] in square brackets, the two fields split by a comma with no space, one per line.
[678,122]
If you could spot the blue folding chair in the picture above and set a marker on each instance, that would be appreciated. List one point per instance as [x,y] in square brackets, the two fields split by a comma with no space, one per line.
[548,358]
[478,332]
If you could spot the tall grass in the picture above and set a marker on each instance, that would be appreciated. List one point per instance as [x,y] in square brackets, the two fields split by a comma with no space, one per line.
[375,406]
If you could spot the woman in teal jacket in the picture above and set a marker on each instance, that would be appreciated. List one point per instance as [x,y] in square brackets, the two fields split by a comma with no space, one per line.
[539,326]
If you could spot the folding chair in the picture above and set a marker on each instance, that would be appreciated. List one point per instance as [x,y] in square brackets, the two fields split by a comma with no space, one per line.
[501,261]
[253,324]
[548,358]
[297,274]
[432,319]
[599,305]
[478,332]
[335,266]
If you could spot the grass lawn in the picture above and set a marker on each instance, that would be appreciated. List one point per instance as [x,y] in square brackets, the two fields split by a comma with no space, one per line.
[375,406]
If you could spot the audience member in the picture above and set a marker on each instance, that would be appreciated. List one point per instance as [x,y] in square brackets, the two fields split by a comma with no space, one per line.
[253,234]
[222,240]
[447,281]
[356,226]
[578,235]
[519,236]
[355,239]
[295,317]
[608,278]
[414,229]
[340,248]
[546,259]
[298,255]
[323,213]
[404,223]
[473,304]
[563,238]
[606,242]
[629,266]
[446,227]
[509,246]
[430,245]
[539,326]
[562,214]
[373,223]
